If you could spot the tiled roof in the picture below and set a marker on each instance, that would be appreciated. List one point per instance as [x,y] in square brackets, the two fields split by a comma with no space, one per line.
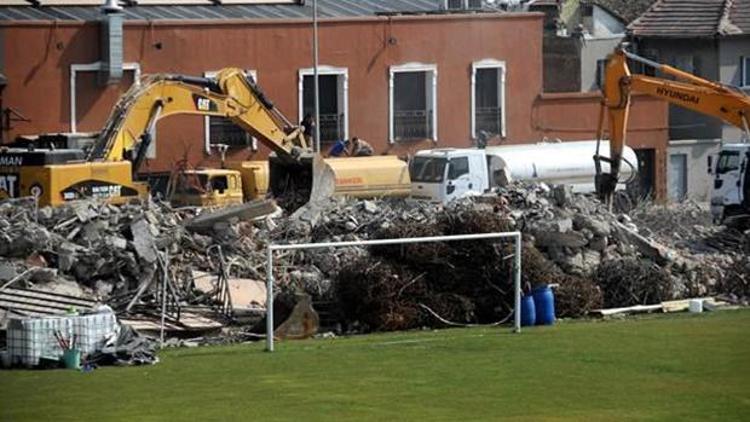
[627,10]
[739,15]
[326,9]
[693,19]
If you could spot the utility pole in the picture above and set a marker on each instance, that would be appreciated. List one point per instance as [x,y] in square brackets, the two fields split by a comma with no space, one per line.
[315,76]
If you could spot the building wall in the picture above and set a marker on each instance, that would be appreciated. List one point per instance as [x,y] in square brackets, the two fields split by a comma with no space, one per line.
[730,51]
[575,116]
[562,63]
[595,49]
[606,25]
[42,54]
[696,151]
[39,77]
[686,124]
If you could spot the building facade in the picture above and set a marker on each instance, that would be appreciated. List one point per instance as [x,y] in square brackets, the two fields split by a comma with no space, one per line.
[402,81]
[715,45]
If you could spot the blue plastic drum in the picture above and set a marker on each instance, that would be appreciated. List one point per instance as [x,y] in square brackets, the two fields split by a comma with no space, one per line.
[544,302]
[528,311]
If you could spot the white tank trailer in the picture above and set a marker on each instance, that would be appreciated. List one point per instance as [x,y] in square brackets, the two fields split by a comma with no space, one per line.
[447,173]
[569,163]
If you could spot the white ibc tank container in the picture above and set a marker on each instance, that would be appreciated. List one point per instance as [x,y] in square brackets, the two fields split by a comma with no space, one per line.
[570,163]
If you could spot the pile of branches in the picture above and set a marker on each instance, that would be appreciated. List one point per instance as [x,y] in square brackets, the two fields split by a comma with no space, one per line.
[431,284]
[425,284]
[629,281]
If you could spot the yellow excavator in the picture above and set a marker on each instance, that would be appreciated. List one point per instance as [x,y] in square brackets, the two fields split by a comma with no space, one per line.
[108,167]
[727,103]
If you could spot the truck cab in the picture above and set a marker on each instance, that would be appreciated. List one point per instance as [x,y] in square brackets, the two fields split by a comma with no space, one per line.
[731,189]
[444,174]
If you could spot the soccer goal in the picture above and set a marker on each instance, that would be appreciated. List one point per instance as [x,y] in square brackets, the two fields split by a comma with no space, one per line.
[508,236]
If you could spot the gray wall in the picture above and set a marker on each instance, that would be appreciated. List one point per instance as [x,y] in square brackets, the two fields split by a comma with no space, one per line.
[606,25]
[699,182]
[730,51]
[686,124]
[595,49]
[562,63]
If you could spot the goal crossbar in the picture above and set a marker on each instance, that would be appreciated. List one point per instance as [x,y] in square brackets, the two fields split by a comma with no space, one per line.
[516,236]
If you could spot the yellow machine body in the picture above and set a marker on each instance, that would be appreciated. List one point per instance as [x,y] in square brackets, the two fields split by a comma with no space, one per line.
[208,188]
[54,184]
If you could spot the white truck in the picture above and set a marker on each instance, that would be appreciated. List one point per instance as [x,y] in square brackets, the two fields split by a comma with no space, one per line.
[730,196]
[445,174]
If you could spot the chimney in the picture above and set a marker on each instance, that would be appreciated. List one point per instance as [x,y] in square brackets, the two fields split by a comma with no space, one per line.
[111,43]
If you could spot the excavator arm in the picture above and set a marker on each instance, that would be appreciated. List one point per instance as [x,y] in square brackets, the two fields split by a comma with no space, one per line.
[231,94]
[688,91]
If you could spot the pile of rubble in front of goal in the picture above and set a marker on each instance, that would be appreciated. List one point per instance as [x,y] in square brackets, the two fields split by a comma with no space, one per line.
[596,258]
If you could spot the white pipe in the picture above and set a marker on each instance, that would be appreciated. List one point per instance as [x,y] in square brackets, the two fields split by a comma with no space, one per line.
[517,283]
[269,265]
[164,297]
[269,300]
[317,88]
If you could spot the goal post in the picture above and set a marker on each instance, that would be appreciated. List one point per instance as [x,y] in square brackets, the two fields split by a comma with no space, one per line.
[515,236]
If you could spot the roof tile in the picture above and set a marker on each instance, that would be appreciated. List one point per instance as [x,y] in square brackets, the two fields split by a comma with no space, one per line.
[693,19]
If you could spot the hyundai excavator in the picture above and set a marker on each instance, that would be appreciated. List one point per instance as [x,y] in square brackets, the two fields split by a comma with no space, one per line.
[108,167]
[731,193]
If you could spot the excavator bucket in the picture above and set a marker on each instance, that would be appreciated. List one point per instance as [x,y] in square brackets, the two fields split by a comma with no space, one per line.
[295,183]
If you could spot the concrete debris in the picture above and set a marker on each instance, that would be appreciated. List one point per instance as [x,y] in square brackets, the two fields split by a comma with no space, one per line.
[118,255]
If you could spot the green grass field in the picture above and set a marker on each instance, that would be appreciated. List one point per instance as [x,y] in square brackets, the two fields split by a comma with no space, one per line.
[678,367]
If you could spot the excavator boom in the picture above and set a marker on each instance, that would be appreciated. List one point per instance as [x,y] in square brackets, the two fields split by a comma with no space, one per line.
[686,90]
[231,94]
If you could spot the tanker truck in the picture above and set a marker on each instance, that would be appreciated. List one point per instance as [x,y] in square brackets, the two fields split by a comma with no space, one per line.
[241,181]
[445,174]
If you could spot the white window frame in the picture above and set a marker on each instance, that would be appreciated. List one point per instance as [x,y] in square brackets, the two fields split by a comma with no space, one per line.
[412,67]
[745,72]
[489,64]
[75,69]
[325,70]
[207,119]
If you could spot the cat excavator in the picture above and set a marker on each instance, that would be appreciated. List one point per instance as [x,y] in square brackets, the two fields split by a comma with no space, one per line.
[107,168]
[731,189]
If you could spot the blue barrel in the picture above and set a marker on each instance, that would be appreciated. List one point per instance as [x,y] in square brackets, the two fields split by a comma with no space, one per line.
[544,302]
[528,311]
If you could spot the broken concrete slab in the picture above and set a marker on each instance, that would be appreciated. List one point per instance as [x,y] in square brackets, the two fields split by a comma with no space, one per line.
[247,295]
[247,211]
[569,239]
[143,240]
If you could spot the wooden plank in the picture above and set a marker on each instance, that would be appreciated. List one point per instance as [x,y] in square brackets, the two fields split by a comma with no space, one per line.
[628,310]
[47,296]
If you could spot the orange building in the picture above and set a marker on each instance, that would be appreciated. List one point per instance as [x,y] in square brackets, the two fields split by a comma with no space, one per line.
[401,79]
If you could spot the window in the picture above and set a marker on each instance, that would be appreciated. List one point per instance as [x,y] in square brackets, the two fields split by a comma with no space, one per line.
[488,98]
[745,72]
[458,167]
[728,161]
[640,68]
[220,130]
[333,84]
[685,63]
[601,66]
[413,102]
[463,4]
[427,169]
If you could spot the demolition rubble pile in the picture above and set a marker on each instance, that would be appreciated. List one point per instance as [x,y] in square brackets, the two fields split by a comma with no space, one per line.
[597,258]
[112,252]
